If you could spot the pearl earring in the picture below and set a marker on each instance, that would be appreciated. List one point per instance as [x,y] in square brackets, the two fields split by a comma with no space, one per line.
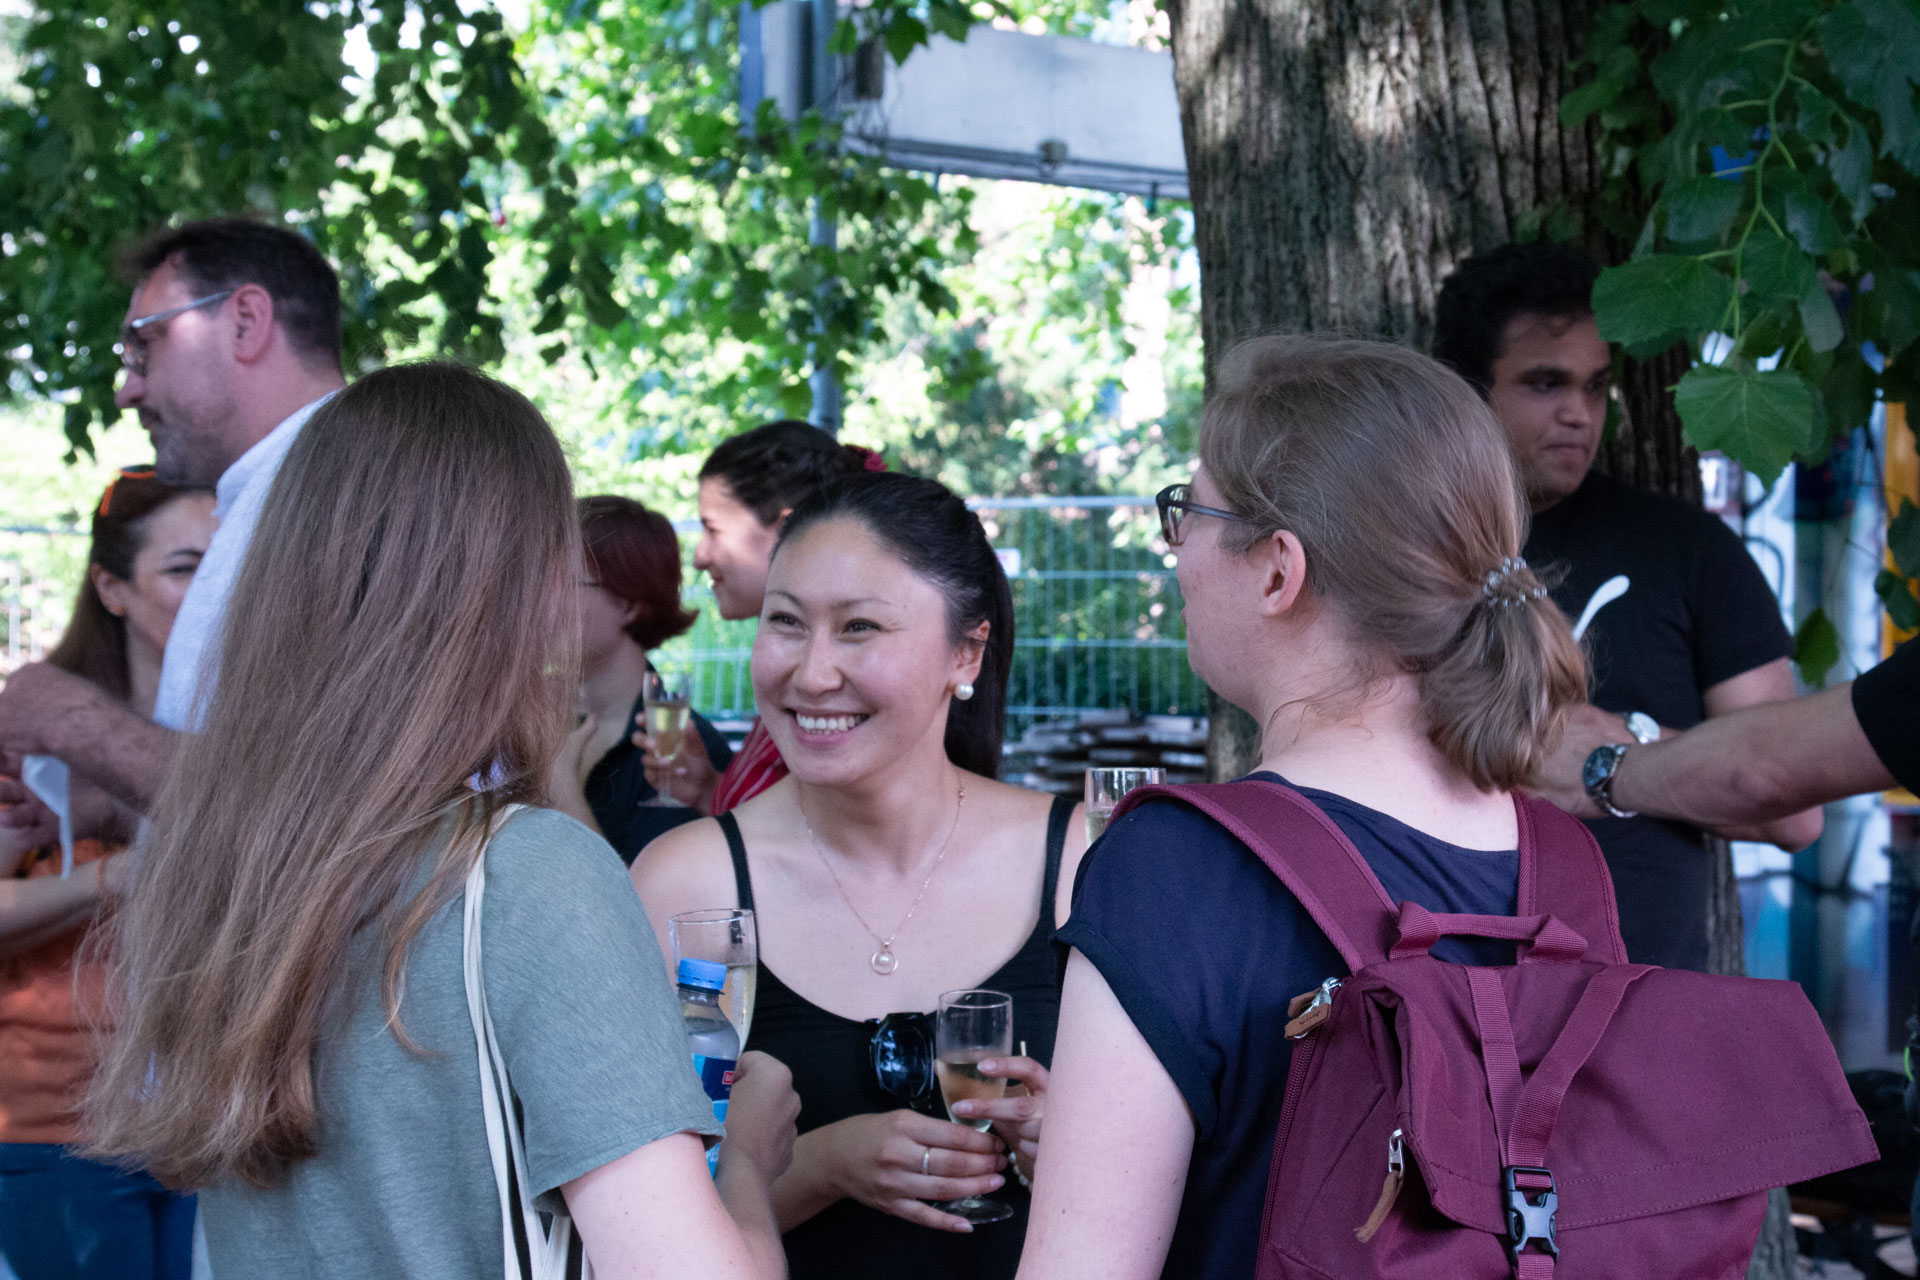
[963,691]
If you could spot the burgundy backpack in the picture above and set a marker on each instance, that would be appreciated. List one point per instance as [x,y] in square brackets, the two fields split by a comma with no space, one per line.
[1570,1115]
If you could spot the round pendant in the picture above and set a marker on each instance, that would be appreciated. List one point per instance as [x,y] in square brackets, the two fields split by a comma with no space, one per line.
[883,962]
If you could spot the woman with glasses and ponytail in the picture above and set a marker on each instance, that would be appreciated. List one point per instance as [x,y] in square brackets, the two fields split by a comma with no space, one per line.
[1348,560]
[63,1217]
[887,868]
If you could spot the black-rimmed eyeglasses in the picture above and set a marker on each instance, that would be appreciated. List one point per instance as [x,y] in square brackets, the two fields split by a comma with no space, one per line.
[133,341]
[1176,503]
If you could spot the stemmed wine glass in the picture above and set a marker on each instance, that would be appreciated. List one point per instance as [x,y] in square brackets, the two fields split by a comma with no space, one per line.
[970,1026]
[668,708]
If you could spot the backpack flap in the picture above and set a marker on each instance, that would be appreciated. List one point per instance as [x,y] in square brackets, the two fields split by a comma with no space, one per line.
[1698,1089]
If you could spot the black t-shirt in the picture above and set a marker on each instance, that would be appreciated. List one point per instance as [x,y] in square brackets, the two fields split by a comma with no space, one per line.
[617,791]
[1204,946]
[1886,701]
[1696,612]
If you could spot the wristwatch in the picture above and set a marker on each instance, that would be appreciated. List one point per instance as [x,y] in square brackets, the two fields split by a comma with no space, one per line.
[1597,776]
[1643,727]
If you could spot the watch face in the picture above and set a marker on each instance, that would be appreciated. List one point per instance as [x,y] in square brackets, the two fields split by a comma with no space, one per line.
[1598,768]
[1643,727]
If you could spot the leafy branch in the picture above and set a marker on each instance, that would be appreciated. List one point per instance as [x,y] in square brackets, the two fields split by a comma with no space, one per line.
[1777,143]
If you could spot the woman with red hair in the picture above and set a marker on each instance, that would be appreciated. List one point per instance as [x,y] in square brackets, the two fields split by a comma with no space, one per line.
[630,605]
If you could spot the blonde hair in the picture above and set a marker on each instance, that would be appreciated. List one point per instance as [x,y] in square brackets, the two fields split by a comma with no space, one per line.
[405,620]
[1400,485]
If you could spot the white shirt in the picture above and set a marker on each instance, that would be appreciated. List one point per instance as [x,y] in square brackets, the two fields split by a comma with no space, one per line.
[189,667]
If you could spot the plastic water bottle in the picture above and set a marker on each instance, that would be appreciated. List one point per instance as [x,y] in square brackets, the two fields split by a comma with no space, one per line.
[710,1034]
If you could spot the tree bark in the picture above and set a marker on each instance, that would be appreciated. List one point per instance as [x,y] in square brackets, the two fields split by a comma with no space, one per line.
[1342,158]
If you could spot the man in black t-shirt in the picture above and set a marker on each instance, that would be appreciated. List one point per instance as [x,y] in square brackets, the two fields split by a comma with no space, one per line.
[1677,619]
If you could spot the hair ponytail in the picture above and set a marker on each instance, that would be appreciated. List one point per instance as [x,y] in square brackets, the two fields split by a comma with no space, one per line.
[1400,485]
[1496,697]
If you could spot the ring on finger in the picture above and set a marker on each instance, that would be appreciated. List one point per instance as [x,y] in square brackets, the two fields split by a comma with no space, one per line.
[926,1162]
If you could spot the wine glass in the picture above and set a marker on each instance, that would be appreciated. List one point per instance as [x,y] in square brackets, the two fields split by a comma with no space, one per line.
[724,935]
[668,711]
[1106,787]
[972,1025]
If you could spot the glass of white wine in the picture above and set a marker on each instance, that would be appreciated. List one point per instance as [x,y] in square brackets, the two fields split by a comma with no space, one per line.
[724,935]
[970,1026]
[1105,789]
[668,710]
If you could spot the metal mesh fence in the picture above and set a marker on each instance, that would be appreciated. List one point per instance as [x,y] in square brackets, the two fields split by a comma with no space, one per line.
[40,570]
[1097,622]
[1096,608]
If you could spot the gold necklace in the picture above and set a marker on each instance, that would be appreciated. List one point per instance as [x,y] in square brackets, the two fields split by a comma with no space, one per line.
[884,962]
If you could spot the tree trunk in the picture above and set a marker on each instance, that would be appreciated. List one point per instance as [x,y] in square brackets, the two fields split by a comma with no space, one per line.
[1344,157]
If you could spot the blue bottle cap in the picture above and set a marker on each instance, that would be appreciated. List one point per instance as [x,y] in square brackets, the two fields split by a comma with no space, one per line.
[702,973]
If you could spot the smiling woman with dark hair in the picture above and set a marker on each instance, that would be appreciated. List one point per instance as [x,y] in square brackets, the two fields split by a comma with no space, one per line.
[887,868]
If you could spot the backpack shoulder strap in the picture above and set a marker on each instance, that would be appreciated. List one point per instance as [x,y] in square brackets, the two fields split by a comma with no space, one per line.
[1563,874]
[1309,853]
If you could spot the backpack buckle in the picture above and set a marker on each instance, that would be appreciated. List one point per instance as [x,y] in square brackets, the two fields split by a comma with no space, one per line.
[1531,1208]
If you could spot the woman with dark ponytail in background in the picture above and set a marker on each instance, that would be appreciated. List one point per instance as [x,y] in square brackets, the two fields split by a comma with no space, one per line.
[748,485]
[1348,554]
[887,868]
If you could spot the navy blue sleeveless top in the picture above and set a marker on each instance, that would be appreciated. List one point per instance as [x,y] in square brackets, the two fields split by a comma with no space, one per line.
[833,1073]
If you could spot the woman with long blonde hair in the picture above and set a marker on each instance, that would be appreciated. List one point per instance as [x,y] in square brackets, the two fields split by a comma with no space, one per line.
[293,1030]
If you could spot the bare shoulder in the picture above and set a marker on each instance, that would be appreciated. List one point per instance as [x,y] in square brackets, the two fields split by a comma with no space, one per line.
[1029,811]
[686,869]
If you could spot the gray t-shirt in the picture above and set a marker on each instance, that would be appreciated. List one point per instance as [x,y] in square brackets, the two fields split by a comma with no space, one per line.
[589,1026]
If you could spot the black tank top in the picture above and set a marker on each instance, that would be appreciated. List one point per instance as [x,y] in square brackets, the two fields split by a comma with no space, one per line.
[833,1073]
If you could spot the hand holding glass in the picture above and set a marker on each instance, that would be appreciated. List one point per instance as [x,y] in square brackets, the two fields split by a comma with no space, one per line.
[970,1026]
[724,935]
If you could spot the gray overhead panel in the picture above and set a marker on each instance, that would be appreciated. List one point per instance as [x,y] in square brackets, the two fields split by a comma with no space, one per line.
[999,105]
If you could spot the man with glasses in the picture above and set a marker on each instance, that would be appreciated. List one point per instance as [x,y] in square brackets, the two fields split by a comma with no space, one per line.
[232,340]
[1678,620]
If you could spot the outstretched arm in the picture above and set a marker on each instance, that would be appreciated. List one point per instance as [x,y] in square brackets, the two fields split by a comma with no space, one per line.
[47,711]
[1751,766]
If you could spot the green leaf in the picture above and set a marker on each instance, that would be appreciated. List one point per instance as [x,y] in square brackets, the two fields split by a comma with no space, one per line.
[1659,299]
[1808,219]
[1896,593]
[1589,98]
[1776,268]
[1702,208]
[1851,166]
[1873,47]
[1821,319]
[951,20]
[1760,420]
[1814,114]
[1903,539]
[903,35]
[1848,392]
[1816,647]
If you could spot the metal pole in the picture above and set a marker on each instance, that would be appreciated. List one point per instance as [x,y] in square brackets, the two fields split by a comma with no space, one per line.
[823,232]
